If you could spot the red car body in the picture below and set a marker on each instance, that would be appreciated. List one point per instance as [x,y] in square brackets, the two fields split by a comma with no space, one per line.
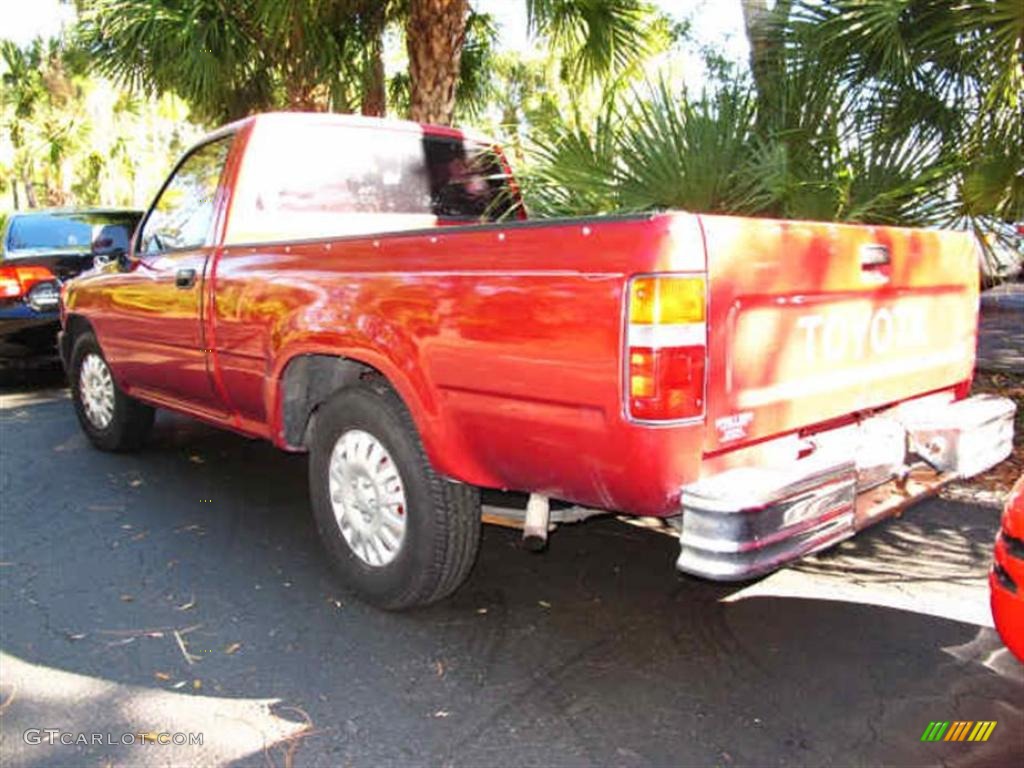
[1006,579]
[523,349]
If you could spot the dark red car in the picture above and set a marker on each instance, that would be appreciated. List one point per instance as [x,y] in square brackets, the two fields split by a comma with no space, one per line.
[1006,579]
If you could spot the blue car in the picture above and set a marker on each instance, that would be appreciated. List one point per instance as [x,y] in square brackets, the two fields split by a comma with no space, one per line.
[39,250]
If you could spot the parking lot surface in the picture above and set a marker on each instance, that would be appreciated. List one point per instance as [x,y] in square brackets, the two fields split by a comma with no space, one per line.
[183,590]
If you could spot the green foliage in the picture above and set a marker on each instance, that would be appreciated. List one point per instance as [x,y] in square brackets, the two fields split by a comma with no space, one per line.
[86,188]
[475,90]
[72,139]
[661,150]
[666,149]
[879,111]
[598,37]
[40,101]
[228,60]
[955,68]
[885,111]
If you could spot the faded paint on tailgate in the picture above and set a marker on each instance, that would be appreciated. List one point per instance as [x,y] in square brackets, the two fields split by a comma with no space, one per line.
[811,321]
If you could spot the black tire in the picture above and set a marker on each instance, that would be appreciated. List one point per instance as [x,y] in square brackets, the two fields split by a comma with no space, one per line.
[131,421]
[442,518]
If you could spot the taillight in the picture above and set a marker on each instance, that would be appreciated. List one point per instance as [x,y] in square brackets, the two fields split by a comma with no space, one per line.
[18,281]
[666,342]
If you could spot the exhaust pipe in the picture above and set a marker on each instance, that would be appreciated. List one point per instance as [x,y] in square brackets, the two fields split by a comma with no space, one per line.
[535,528]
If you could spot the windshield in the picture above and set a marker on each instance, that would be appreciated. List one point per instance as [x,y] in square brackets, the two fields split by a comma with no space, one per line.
[68,231]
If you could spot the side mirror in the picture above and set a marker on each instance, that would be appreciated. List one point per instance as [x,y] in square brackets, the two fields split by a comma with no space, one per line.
[105,250]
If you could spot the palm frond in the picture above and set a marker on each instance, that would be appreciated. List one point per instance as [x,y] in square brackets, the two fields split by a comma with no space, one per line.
[598,37]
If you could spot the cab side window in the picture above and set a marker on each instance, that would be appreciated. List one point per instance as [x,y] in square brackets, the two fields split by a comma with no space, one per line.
[183,214]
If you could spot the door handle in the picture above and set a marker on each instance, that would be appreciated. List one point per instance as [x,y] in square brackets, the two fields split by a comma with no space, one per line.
[874,256]
[185,278]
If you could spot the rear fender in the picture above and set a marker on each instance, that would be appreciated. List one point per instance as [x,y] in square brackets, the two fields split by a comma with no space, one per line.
[308,374]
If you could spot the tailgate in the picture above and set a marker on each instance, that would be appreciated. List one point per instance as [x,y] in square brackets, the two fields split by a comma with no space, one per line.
[812,321]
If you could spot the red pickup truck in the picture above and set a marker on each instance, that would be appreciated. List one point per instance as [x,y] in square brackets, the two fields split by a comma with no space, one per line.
[372,293]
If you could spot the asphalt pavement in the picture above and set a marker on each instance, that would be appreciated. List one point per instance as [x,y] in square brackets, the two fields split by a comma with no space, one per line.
[183,590]
[1001,331]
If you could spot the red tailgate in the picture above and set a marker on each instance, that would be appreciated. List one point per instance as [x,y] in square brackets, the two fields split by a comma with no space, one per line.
[812,321]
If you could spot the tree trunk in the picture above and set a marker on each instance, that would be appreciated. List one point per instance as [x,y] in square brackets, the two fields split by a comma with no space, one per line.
[374,97]
[374,101]
[767,52]
[30,192]
[435,32]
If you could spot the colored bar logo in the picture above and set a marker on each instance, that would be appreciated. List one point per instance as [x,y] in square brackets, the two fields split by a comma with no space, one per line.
[958,730]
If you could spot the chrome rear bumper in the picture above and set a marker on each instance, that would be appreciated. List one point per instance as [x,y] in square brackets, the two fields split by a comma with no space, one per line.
[747,521]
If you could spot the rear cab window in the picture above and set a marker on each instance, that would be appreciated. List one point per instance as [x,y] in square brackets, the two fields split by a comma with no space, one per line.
[467,182]
[334,180]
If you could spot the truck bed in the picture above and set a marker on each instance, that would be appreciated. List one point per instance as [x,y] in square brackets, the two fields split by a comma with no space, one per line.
[507,340]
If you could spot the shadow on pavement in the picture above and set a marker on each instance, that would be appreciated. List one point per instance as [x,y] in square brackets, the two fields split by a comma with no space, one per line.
[40,375]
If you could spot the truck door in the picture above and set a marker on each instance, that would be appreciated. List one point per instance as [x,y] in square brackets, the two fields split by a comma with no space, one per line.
[158,304]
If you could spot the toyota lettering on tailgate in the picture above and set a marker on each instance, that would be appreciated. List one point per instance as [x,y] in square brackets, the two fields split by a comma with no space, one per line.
[833,336]
[840,349]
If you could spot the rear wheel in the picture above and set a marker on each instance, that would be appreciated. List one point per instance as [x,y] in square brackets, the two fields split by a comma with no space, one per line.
[399,534]
[111,420]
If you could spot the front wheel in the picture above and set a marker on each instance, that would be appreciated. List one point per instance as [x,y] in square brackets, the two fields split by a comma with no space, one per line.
[399,534]
[111,420]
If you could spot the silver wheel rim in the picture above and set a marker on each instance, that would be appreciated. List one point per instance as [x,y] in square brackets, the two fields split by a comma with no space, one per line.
[367,497]
[96,389]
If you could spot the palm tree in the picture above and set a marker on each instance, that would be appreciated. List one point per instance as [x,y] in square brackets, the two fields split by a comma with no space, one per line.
[228,60]
[41,104]
[953,70]
[434,34]
[373,18]
[597,38]
[23,90]
[231,59]
[884,111]
[764,27]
